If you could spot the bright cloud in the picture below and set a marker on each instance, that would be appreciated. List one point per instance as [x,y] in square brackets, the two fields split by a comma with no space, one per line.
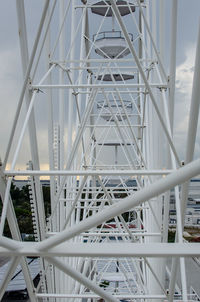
[184,75]
[9,92]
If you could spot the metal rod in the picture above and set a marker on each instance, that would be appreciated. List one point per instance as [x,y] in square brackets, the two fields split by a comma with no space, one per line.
[26,79]
[8,275]
[87,172]
[130,202]
[174,10]
[15,232]
[193,122]
[9,244]
[151,38]
[121,23]
[45,38]
[61,95]
[31,120]
[82,279]
[76,86]
[106,250]
[88,296]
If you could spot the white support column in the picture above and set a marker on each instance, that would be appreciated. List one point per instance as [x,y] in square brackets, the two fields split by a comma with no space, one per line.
[193,122]
[162,10]
[29,96]
[26,78]
[50,118]
[61,81]
[70,96]
[174,12]
[131,47]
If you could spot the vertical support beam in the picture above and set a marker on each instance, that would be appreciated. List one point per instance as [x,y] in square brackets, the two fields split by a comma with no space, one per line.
[192,129]
[132,50]
[62,283]
[174,10]
[50,119]
[162,30]
[155,160]
[61,81]
[174,4]
[154,24]
[70,97]
[15,232]
[26,79]
[193,121]
[31,124]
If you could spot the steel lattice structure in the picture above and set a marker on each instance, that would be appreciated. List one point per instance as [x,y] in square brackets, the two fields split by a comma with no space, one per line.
[99,68]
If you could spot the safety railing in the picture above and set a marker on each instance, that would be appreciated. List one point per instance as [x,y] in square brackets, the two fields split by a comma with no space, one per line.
[110,35]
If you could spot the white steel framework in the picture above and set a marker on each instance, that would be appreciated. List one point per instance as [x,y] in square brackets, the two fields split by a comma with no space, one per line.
[97,72]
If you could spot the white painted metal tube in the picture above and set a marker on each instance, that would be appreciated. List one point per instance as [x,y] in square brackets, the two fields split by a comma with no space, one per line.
[87,296]
[28,97]
[172,283]
[47,73]
[174,9]
[76,142]
[26,80]
[61,27]
[12,222]
[61,95]
[123,222]
[8,275]
[47,49]
[162,7]
[105,60]
[74,202]
[110,233]
[5,206]
[7,193]
[9,244]
[193,121]
[70,123]
[82,279]
[178,202]
[130,202]
[152,40]
[76,86]
[147,85]
[45,37]
[183,278]
[23,130]
[191,137]
[108,250]
[87,172]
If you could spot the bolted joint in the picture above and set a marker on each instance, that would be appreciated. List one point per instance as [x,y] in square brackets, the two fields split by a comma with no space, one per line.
[162,88]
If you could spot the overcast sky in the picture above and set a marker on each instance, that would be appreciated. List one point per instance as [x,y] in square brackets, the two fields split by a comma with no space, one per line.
[11,74]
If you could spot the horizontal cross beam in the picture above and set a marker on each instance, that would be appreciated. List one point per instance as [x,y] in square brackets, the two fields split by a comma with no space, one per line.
[118,250]
[87,172]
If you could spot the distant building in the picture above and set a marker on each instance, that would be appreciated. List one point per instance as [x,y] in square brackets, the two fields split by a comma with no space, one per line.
[21,183]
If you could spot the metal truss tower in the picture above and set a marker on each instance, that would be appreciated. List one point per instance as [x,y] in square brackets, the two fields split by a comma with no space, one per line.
[96,88]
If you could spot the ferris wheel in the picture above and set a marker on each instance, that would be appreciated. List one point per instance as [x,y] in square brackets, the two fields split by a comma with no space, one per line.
[99,97]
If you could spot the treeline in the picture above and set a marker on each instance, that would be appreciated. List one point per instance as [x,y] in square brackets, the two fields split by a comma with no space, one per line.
[22,206]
